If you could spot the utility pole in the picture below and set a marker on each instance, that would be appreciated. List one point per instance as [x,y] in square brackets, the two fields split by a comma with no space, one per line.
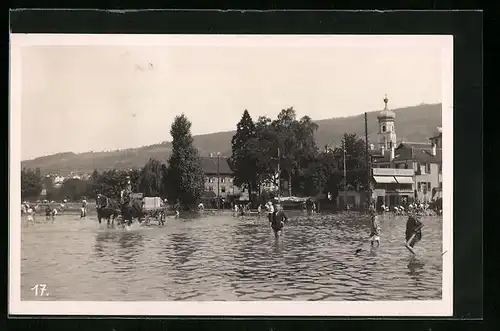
[218,181]
[367,160]
[345,175]
[279,176]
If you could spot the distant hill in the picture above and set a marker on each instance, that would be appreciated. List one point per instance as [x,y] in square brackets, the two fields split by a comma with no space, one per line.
[415,124]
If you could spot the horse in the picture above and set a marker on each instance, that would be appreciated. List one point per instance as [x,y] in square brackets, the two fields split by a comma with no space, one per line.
[107,208]
[133,208]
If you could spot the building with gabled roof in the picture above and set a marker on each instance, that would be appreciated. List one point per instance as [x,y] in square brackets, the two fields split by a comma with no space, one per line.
[424,158]
[218,176]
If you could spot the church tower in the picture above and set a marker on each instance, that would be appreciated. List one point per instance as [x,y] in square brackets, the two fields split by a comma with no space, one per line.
[387,130]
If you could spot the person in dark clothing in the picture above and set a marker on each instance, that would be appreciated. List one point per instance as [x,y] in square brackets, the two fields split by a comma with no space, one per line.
[48,212]
[413,232]
[278,220]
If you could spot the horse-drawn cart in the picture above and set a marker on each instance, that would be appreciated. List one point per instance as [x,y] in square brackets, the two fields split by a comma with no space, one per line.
[154,209]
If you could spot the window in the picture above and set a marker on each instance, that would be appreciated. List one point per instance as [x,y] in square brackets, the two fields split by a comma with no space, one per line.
[223,189]
[440,185]
[222,180]
[428,186]
[428,168]
[406,165]
[383,128]
[419,187]
[422,168]
[211,188]
[210,179]
[440,168]
[390,144]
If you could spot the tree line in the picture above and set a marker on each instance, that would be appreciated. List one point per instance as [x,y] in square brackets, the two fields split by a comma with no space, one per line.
[180,180]
[285,150]
[279,150]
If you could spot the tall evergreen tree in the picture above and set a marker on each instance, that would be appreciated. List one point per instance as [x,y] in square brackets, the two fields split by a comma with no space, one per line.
[185,174]
[242,161]
[164,181]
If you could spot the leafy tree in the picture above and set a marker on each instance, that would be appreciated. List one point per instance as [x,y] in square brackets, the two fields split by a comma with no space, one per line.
[242,161]
[151,178]
[306,153]
[185,174]
[31,183]
[355,150]
[319,175]
[286,128]
[93,187]
[286,140]
[73,188]
[264,149]
[135,174]
[111,182]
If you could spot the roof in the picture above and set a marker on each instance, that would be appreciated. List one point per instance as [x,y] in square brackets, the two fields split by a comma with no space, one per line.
[209,165]
[419,145]
[377,156]
[420,152]
[383,114]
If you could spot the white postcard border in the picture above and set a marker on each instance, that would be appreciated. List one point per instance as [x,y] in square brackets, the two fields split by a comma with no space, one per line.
[442,307]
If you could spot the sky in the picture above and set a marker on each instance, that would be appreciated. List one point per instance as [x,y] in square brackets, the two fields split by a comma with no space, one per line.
[93,98]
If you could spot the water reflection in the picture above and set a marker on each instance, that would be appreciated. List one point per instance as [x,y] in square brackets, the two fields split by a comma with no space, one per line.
[226,258]
[183,247]
[415,267]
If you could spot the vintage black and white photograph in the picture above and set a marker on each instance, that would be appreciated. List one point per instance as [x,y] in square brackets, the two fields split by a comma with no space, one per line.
[231,175]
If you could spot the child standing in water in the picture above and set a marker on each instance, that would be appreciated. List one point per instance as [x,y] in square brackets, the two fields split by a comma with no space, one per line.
[413,232]
[30,212]
[278,221]
[270,211]
[375,227]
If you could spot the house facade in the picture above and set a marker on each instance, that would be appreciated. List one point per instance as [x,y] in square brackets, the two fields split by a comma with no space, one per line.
[423,159]
[392,187]
[219,176]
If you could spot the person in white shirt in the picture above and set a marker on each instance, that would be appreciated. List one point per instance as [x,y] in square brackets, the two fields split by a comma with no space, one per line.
[270,211]
[30,213]
[53,215]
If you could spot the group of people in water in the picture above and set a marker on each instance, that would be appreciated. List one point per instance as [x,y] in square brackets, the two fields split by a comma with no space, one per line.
[50,210]
[401,210]
[413,234]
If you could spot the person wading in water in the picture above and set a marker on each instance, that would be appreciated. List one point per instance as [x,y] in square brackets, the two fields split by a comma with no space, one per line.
[413,232]
[83,212]
[278,220]
[177,207]
[375,227]
[270,211]
[30,212]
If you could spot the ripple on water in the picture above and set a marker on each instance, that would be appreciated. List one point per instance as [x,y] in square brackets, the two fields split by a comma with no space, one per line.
[223,258]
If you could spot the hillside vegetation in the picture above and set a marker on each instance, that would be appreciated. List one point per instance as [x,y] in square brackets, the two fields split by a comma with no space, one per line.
[414,124]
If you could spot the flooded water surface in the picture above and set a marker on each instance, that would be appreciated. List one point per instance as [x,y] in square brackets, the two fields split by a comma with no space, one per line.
[218,257]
